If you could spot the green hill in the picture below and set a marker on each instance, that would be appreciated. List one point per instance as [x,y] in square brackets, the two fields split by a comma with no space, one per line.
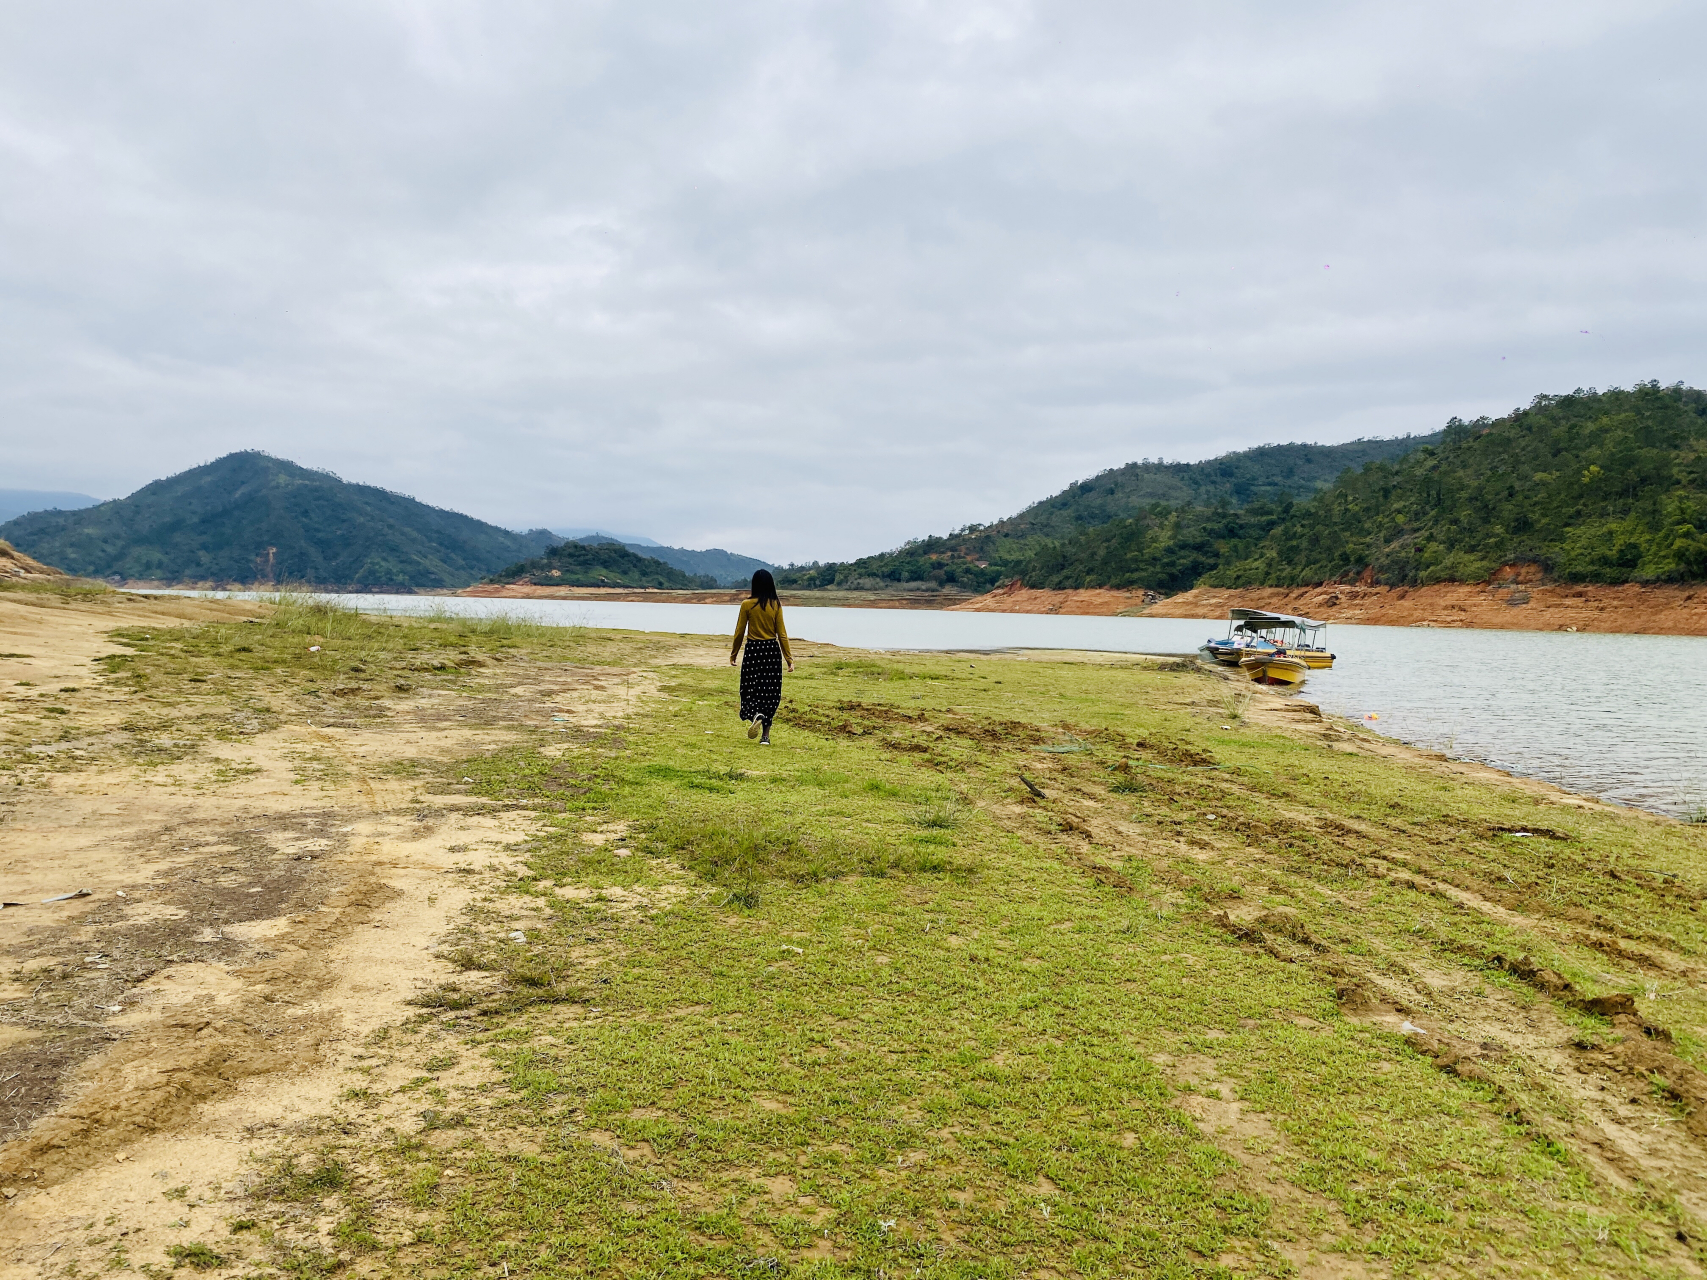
[599,564]
[249,517]
[725,568]
[1267,473]
[1594,487]
[979,556]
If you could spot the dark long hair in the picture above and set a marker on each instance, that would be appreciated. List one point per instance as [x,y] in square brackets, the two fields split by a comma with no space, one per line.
[764,588]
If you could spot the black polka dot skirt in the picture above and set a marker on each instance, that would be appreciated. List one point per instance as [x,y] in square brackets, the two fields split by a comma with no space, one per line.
[761,680]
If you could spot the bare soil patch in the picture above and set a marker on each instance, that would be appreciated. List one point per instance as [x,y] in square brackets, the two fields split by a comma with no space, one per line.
[269,884]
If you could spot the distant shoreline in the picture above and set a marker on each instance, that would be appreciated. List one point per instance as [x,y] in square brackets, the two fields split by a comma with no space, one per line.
[828,599]
[1628,609]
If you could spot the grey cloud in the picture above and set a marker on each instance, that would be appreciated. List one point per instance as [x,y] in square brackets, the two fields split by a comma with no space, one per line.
[807,279]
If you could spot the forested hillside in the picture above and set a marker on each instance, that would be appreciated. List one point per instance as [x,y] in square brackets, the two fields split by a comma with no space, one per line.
[599,564]
[1593,487]
[249,517]
[1268,473]
[978,557]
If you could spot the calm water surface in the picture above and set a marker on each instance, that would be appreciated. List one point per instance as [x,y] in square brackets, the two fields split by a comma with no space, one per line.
[1622,717]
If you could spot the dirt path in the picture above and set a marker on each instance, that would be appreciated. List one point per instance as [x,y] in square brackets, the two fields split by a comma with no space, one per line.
[259,902]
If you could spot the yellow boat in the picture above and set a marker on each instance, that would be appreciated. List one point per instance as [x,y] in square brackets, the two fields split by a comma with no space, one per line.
[1278,667]
[1315,659]
[1254,632]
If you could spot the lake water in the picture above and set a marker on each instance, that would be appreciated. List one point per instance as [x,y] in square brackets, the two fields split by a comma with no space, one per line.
[1621,717]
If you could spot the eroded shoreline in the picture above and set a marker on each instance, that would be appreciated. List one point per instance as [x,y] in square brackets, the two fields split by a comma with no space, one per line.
[1509,606]
[1512,605]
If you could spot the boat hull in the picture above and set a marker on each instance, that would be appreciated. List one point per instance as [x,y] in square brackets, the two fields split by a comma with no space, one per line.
[1274,668]
[1226,654]
[1315,659]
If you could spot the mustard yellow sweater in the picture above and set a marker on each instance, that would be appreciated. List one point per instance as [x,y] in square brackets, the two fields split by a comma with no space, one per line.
[762,622]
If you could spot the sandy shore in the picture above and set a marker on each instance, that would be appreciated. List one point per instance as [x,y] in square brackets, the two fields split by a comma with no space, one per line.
[1630,609]
[265,888]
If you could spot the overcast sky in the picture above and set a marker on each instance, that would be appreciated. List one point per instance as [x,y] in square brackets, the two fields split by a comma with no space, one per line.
[806,279]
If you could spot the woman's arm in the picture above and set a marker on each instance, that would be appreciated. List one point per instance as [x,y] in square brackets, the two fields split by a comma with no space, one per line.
[740,630]
[782,638]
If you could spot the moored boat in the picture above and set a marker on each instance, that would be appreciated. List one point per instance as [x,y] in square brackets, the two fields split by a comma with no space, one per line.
[1253,632]
[1227,652]
[1234,648]
[1314,658]
[1279,667]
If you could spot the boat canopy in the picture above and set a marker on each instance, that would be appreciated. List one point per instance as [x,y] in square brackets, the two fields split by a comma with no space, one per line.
[1262,620]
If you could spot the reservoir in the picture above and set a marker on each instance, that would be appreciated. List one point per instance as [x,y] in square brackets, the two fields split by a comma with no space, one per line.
[1621,717]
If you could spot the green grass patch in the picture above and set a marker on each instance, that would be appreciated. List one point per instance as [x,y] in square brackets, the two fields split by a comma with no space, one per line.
[298,1181]
[843,1050]
[197,1256]
[862,1003]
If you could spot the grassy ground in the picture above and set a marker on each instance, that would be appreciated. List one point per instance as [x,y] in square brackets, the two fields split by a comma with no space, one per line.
[868,1002]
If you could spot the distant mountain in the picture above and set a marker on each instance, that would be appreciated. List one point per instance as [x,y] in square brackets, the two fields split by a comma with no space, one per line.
[979,556]
[249,517]
[599,564]
[605,535]
[1595,486]
[17,502]
[724,568]
[727,568]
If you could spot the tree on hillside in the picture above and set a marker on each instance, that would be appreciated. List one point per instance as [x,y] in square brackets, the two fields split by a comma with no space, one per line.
[1592,486]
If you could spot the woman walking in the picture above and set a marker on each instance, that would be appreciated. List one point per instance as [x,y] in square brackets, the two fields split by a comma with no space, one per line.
[767,650]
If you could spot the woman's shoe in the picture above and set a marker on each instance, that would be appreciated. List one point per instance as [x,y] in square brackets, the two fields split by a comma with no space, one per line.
[753,729]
